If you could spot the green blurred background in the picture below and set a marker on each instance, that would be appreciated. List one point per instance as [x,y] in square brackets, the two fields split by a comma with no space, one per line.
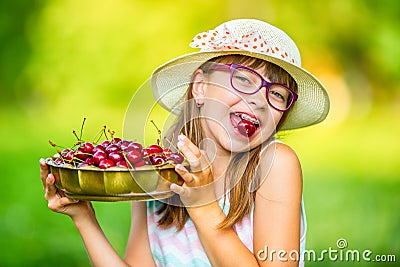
[63,60]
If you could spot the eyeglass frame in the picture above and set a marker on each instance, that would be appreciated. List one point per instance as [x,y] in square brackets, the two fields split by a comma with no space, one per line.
[232,67]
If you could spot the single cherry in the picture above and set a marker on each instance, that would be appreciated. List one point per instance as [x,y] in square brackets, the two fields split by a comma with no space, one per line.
[89,161]
[106,163]
[70,156]
[105,143]
[176,158]
[64,152]
[139,164]
[59,161]
[167,152]
[99,156]
[82,164]
[116,156]
[122,163]
[157,159]
[98,148]
[154,149]
[116,140]
[133,156]
[134,146]
[123,144]
[112,148]
[87,147]
[81,154]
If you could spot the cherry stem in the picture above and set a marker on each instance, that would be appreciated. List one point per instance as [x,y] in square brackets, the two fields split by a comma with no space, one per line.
[55,145]
[74,133]
[158,131]
[111,133]
[104,131]
[83,123]
[173,146]
[100,134]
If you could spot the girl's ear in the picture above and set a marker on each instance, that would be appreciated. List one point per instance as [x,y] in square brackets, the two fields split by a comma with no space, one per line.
[199,86]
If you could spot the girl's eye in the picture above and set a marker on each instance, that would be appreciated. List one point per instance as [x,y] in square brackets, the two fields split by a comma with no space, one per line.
[242,79]
[276,95]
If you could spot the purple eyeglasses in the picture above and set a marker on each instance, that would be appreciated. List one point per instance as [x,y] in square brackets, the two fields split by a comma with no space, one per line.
[247,81]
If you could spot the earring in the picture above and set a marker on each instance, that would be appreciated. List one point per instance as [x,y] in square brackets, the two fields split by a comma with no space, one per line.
[198,104]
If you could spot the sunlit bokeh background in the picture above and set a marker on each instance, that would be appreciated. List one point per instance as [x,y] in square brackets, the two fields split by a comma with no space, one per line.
[61,61]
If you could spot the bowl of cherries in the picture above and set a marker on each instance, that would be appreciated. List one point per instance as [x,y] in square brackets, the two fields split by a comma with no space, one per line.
[115,169]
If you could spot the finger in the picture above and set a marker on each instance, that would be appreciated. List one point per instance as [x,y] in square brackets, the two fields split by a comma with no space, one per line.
[50,189]
[44,171]
[190,146]
[177,189]
[197,160]
[192,157]
[184,173]
[67,201]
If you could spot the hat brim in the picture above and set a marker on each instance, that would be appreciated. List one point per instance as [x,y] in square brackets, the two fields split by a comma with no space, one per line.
[171,80]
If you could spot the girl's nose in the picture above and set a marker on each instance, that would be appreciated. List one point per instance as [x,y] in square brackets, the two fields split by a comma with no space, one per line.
[257,100]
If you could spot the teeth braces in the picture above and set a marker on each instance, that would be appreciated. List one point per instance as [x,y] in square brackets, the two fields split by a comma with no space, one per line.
[248,118]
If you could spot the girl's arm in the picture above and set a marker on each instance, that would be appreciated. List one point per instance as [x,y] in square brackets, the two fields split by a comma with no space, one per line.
[99,249]
[276,217]
[278,210]
[138,252]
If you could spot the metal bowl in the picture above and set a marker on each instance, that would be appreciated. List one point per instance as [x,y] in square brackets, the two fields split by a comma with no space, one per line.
[116,183]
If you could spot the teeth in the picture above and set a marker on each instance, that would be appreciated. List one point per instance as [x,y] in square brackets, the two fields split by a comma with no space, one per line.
[248,118]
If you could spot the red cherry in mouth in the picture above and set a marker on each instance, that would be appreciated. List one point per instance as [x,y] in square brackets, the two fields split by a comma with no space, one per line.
[246,128]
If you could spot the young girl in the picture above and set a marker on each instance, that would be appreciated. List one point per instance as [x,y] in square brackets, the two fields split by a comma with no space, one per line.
[241,200]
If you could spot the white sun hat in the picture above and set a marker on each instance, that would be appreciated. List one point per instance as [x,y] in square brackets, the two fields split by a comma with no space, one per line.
[252,38]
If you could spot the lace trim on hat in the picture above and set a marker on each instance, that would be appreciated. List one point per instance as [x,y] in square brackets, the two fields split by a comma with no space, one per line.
[251,41]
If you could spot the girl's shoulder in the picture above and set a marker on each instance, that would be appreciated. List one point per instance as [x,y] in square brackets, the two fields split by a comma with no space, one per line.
[279,152]
[280,170]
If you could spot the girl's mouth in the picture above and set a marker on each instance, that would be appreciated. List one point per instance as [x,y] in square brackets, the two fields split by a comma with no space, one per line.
[246,124]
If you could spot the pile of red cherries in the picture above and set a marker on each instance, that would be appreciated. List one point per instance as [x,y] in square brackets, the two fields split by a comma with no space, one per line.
[115,152]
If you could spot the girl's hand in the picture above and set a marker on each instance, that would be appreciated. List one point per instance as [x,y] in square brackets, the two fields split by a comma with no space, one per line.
[57,201]
[198,187]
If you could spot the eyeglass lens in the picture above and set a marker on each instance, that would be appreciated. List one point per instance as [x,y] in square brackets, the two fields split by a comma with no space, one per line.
[247,81]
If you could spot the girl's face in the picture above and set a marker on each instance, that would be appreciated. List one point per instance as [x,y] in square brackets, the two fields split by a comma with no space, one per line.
[223,109]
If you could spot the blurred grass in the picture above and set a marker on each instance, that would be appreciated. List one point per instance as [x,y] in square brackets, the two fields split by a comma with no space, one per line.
[359,203]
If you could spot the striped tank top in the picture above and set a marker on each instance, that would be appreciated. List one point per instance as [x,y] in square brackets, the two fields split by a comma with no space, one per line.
[172,248]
